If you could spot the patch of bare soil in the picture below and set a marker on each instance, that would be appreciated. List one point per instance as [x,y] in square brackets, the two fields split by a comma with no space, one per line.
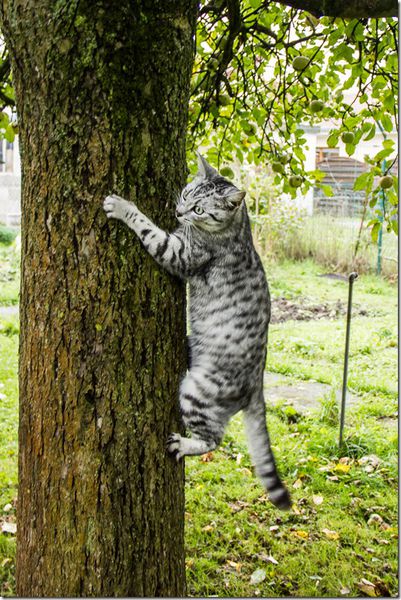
[303,310]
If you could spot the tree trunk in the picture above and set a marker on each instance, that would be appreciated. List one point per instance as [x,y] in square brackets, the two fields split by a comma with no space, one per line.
[102,92]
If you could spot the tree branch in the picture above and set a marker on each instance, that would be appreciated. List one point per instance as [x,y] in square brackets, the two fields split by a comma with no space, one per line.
[357,9]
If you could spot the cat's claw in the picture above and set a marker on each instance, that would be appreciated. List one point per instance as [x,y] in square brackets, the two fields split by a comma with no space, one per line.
[113,206]
[174,445]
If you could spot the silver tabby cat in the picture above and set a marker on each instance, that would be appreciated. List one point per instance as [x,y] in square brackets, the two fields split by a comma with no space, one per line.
[229,307]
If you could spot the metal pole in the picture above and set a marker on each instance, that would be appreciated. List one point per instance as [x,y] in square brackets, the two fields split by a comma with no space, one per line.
[381,218]
[351,279]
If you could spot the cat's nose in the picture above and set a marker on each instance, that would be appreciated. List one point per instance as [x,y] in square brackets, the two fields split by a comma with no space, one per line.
[178,212]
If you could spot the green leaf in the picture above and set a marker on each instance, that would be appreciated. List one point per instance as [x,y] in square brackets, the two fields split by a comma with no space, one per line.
[371,132]
[9,134]
[350,149]
[363,181]
[327,190]
[332,140]
[375,231]
[387,123]
[383,154]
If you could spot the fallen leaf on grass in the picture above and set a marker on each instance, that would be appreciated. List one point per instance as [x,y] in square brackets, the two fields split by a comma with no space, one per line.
[238,505]
[208,457]
[342,468]
[375,518]
[268,558]
[345,590]
[367,587]
[258,576]
[317,500]
[344,460]
[332,535]
[371,460]
[333,478]
[9,528]
[209,527]
[245,471]
[234,565]
[297,484]
[300,533]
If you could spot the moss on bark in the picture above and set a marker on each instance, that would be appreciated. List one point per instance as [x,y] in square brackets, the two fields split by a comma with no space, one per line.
[102,93]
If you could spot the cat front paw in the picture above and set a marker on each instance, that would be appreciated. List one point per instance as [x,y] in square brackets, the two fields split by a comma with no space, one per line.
[174,445]
[115,207]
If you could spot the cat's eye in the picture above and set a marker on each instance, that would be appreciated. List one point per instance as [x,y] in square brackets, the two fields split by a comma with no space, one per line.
[198,210]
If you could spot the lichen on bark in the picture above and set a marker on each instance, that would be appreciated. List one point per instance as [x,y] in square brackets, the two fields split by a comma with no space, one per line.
[101,93]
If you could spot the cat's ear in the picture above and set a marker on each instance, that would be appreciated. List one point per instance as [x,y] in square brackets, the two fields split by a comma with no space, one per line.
[204,169]
[235,198]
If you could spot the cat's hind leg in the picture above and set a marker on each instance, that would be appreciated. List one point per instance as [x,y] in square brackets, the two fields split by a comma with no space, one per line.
[181,446]
[201,416]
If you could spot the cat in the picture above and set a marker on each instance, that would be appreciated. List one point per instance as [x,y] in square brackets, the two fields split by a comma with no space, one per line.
[229,310]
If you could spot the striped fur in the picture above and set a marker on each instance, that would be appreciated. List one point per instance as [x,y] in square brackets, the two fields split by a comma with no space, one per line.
[229,308]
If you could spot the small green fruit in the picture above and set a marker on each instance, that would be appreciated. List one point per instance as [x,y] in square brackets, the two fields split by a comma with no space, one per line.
[295,181]
[227,172]
[224,99]
[300,63]
[248,128]
[386,182]
[316,106]
[278,167]
[284,158]
[347,137]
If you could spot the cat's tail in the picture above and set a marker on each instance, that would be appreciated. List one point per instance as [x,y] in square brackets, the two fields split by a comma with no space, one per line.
[261,452]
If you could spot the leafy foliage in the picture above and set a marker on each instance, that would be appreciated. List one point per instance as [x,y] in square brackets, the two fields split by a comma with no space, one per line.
[265,72]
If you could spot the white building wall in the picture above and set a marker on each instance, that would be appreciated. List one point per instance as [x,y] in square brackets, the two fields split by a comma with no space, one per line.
[10,185]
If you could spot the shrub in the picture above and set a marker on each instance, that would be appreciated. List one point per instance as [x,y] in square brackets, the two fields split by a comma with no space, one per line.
[7,235]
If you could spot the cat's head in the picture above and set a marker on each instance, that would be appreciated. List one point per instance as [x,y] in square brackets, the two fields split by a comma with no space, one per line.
[209,201]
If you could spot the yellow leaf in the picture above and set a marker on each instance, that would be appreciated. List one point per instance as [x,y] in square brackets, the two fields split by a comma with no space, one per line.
[332,535]
[342,468]
[304,535]
[208,457]
[297,484]
[234,565]
[367,587]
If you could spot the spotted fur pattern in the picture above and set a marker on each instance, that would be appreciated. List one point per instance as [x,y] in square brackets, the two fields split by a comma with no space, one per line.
[229,308]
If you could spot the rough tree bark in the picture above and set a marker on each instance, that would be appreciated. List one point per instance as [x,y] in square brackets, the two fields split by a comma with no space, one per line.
[102,92]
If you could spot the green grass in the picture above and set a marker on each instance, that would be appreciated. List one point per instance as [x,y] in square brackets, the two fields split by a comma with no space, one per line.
[228,515]
[8,450]
[231,528]
[9,274]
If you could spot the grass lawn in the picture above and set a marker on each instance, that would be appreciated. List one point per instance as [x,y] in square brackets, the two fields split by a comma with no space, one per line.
[340,538]
[341,535]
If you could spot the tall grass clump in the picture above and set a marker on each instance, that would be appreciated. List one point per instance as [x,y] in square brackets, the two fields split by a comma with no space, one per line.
[285,233]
